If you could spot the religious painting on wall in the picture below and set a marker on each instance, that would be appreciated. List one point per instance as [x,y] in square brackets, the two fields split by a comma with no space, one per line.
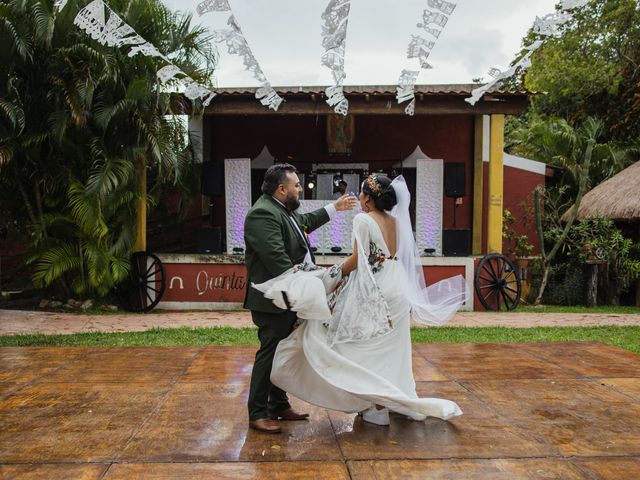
[340,133]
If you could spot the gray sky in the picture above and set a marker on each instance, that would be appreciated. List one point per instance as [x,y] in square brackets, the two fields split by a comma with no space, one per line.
[285,37]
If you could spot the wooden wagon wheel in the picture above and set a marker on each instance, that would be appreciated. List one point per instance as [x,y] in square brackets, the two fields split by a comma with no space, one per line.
[498,283]
[146,284]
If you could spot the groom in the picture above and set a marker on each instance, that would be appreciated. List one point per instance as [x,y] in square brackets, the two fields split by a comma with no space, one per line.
[275,239]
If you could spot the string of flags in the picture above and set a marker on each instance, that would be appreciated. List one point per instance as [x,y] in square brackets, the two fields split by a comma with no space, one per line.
[547,26]
[237,44]
[334,35]
[434,19]
[102,24]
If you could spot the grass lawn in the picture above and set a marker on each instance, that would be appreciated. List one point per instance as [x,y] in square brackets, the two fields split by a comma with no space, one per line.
[624,337]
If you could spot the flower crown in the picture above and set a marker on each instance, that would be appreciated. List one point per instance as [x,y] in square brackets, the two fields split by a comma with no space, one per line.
[374,185]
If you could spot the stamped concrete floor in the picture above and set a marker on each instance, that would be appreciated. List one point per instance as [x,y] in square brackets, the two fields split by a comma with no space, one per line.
[535,411]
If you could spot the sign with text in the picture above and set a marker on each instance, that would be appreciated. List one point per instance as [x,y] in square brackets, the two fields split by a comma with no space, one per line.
[205,282]
[216,282]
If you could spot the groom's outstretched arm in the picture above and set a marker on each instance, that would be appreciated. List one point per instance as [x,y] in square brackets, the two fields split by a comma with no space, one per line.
[315,219]
[263,233]
[321,216]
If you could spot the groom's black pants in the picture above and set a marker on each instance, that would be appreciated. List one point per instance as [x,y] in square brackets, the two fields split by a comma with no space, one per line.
[264,397]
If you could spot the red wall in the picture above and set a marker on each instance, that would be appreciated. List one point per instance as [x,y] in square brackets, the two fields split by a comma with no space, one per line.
[518,186]
[518,198]
[210,282]
[380,140]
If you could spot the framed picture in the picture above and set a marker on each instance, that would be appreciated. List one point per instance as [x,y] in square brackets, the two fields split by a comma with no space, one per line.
[340,133]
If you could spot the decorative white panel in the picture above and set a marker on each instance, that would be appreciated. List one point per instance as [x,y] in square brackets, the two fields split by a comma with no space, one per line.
[237,183]
[324,187]
[336,233]
[353,182]
[429,191]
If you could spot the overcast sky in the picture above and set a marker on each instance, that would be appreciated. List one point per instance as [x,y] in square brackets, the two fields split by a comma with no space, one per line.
[285,37]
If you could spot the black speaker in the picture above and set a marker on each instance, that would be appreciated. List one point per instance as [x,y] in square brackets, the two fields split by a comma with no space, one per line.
[210,240]
[456,243]
[213,179]
[455,179]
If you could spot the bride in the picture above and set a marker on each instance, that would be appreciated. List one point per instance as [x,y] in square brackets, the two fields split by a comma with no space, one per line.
[352,352]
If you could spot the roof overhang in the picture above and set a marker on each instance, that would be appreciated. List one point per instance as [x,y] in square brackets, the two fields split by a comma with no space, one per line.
[371,100]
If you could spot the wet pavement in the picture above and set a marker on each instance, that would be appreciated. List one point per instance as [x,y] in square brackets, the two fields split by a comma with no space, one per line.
[16,322]
[534,411]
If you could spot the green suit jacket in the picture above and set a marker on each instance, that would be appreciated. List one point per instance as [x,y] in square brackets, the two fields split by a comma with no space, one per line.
[273,245]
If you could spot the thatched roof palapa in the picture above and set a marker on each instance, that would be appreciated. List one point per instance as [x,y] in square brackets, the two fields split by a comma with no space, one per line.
[617,198]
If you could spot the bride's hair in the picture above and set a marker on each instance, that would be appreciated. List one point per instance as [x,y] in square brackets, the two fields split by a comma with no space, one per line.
[379,188]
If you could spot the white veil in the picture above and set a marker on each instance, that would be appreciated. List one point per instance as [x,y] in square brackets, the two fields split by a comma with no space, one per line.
[437,303]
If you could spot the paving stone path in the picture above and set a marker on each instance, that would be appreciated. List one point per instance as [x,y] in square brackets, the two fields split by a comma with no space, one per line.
[13,322]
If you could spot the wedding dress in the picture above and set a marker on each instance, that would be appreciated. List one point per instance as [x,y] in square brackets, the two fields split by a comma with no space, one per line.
[357,353]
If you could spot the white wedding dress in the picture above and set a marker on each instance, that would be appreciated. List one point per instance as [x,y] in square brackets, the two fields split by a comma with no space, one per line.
[359,354]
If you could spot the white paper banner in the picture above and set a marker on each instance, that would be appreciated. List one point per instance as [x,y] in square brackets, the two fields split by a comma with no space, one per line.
[445,7]
[113,32]
[429,16]
[334,34]
[213,6]
[337,100]
[167,73]
[420,48]
[237,44]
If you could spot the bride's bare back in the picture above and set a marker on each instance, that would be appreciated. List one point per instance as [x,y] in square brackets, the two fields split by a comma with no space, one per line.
[387,224]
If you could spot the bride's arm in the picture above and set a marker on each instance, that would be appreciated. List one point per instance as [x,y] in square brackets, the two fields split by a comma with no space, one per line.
[351,263]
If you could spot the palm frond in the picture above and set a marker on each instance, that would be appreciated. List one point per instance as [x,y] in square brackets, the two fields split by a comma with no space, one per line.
[54,263]
[22,45]
[43,21]
[14,114]
[85,212]
[107,176]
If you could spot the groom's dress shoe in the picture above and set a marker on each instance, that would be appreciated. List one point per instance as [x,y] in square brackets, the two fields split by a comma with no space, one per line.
[265,425]
[288,414]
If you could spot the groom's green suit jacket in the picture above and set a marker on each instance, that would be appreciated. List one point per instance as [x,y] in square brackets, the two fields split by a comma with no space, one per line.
[273,245]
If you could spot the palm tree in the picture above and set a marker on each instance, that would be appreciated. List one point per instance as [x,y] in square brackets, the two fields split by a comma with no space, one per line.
[559,144]
[76,119]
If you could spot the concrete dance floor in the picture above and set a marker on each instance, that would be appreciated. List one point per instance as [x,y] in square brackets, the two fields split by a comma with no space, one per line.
[535,411]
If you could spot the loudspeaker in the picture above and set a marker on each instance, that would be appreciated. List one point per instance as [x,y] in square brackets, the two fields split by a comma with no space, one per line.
[210,240]
[213,179]
[455,179]
[456,243]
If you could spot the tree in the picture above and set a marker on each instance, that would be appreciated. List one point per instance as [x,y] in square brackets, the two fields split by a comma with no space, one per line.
[556,142]
[592,69]
[75,118]
[581,143]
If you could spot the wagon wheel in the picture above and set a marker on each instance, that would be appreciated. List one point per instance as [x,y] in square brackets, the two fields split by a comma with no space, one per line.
[498,283]
[145,286]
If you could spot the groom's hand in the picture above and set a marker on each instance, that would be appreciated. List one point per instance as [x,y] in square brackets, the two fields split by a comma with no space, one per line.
[345,202]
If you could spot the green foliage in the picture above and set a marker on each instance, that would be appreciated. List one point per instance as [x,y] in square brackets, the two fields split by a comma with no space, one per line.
[599,239]
[557,143]
[75,116]
[517,245]
[591,69]
[623,337]
[592,239]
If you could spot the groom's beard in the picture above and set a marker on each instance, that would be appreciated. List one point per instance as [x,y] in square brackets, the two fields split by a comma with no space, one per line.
[292,202]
